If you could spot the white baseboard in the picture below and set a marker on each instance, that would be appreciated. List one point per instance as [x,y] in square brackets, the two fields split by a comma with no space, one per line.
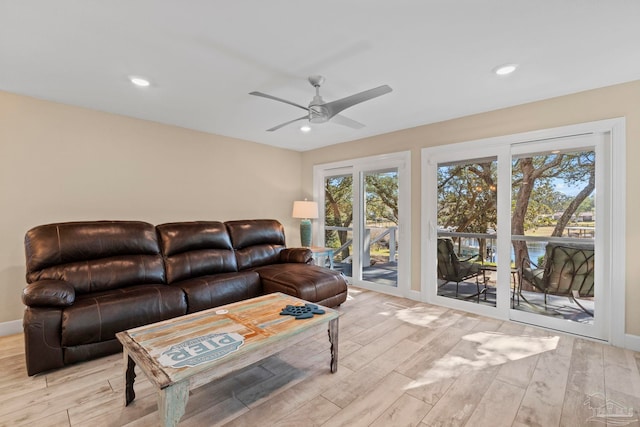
[11,328]
[632,342]
[413,295]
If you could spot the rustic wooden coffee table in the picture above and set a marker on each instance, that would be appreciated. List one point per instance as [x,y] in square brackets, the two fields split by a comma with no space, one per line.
[183,353]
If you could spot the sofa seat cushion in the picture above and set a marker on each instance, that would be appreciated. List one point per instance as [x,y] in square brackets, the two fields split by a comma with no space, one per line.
[219,289]
[99,316]
[308,282]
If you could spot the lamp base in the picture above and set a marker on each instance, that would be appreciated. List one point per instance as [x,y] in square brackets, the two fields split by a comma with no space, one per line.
[305,232]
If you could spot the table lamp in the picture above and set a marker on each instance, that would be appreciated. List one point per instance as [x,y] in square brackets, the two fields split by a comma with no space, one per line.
[305,210]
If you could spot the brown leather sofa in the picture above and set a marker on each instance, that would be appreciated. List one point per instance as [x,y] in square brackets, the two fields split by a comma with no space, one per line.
[86,281]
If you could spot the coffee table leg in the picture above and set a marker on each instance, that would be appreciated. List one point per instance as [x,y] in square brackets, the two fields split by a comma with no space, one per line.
[172,402]
[129,378]
[333,339]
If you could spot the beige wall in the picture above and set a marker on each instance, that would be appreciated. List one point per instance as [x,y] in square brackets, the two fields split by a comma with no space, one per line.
[615,101]
[62,163]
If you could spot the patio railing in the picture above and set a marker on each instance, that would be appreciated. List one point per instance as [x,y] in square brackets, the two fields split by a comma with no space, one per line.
[368,242]
[491,237]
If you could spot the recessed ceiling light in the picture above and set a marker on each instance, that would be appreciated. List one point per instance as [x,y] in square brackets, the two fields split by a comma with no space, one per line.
[504,70]
[305,129]
[139,81]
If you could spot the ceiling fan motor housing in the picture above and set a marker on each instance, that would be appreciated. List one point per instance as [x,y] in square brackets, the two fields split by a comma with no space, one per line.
[317,112]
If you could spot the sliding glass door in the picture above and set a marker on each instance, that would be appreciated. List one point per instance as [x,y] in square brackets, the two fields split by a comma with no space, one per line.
[527,227]
[366,209]
[467,218]
[556,213]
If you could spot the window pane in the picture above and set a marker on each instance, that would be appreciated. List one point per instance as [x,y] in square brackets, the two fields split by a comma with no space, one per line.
[553,228]
[380,239]
[339,220]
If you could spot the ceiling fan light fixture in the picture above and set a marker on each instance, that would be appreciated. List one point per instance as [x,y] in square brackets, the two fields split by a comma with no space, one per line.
[139,81]
[305,129]
[505,70]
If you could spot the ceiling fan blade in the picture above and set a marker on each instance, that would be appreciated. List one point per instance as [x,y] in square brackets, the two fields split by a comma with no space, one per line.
[345,121]
[335,107]
[287,123]
[275,98]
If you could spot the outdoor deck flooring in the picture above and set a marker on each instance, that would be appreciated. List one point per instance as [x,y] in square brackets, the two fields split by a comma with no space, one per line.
[401,363]
[380,273]
[557,306]
[533,302]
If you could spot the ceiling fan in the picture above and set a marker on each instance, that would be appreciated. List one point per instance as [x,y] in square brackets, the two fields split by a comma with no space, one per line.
[320,111]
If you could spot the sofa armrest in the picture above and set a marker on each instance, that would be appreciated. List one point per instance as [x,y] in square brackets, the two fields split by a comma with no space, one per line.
[296,255]
[48,293]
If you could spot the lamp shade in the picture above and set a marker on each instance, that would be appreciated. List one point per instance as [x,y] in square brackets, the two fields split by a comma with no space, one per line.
[305,209]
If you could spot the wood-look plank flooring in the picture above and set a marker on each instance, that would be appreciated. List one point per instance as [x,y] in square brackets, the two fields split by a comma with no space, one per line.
[402,363]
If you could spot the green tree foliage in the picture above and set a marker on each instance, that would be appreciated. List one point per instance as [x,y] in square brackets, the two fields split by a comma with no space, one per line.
[338,210]
[532,175]
[381,194]
[382,197]
[588,205]
[467,196]
[533,182]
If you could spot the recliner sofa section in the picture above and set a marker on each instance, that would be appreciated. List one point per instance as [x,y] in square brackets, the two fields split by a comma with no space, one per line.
[260,247]
[89,280]
[199,260]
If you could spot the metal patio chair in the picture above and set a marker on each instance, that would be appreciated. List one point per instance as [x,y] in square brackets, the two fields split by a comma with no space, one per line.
[567,271]
[453,269]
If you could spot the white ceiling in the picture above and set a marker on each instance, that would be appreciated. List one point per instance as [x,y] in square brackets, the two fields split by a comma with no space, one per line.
[203,57]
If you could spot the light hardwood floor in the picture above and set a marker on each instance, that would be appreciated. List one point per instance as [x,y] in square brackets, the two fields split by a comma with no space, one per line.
[402,363]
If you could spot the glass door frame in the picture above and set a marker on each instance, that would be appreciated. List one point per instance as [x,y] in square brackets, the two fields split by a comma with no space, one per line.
[357,167]
[612,231]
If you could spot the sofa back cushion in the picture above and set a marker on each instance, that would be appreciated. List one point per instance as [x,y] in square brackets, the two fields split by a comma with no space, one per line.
[257,242]
[194,249]
[94,255]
